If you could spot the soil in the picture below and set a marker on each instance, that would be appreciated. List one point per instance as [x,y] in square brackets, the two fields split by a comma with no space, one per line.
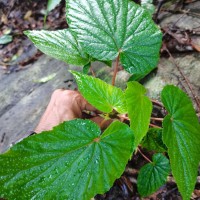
[21,65]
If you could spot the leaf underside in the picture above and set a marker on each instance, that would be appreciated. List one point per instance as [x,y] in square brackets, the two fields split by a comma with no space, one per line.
[101,95]
[60,44]
[182,138]
[73,161]
[139,110]
[107,28]
[153,175]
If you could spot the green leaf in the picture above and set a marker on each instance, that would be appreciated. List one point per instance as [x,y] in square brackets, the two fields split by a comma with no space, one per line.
[148,4]
[52,4]
[107,28]
[153,140]
[73,161]
[139,110]
[108,63]
[5,39]
[136,77]
[60,44]
[86,68]
[101,95]
[153,175]
[182,138]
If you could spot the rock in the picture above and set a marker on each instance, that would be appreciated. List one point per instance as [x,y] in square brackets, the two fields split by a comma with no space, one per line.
[23,101]
[167,73]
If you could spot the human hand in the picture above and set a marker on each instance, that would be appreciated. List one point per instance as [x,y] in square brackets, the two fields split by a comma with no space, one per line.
[65,105]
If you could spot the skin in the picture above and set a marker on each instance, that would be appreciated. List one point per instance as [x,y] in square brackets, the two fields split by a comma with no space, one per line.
[66,105]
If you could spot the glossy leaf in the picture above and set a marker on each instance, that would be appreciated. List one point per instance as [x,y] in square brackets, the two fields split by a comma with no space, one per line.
[86,68]
[101,95]
[148,5]
[139,110]
[136,77]
[182,138]
[153,175]
[107,28]
[153,140]
[60,44]
[73,161]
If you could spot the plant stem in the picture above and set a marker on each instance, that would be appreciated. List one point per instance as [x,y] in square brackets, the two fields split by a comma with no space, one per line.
[157,103]
[124,117]
[153,125]
[92,71]
[147,159]
[157,119]
[115,70]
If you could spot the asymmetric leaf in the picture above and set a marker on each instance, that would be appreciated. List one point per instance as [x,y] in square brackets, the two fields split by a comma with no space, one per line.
[153,175]
[60,44]
[181,134]
[107,28]
[153,141]
[101,95]
[73,161]
[139,110]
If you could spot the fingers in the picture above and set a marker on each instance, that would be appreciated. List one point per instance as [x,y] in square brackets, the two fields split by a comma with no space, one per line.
[84,105]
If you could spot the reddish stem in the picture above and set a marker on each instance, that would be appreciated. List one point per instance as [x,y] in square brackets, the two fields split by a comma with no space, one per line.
[153,125]
[157,103]
[147,159]
[91,70]
[115,70]
[157,119]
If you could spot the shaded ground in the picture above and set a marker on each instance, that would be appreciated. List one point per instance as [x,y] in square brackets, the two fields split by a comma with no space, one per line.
[23,97]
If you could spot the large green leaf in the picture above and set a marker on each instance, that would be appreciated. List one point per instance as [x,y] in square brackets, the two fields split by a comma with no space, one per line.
[153,175]
[139,110]
[101,95]
[107,28]
[182,137]
[73,161]
[60,44]
[153,140]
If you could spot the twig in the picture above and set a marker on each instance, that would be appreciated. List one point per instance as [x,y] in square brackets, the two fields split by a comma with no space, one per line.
[124,117]
[92,71]
[157,119]
[157,103]
[147,159]
[153,125]
[186,80]
[115,70]
[160,4]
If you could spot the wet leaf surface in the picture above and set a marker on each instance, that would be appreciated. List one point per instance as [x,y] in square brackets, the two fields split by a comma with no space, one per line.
[73,161]
[139,110]
[182,138]
[60,44]
[106,29]
[101,95]
[153,175]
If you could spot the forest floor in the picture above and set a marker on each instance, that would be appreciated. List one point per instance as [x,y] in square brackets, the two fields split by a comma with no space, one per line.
[27,78]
